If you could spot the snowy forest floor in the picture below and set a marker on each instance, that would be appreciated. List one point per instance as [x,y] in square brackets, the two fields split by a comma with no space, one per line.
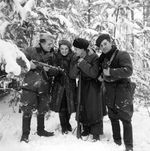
[11,123]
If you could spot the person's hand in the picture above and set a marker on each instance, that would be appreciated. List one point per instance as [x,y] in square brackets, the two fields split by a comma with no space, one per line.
[79,60]
[46,68]
[33,65]
[100,78]
[106,72]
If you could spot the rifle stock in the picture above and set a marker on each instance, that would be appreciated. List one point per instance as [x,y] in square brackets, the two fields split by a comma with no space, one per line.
[78,108]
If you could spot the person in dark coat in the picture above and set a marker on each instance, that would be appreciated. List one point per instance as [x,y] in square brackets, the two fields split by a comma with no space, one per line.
[35,94]
[117,96]
[64,88]
[87,64]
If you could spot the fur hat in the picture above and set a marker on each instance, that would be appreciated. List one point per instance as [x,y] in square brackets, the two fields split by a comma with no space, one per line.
[101,38]
[81,43]
[65,42]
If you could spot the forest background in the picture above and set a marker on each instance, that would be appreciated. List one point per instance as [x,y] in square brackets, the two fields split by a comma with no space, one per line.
[128,22]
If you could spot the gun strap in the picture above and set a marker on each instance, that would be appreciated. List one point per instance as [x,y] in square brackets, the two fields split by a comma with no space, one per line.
[112,57]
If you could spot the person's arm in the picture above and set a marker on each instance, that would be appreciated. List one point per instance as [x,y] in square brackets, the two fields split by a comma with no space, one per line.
[74,70]
[125,70]
[90,69]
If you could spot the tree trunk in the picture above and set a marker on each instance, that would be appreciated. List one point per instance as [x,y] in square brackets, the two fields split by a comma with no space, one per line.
[89,13]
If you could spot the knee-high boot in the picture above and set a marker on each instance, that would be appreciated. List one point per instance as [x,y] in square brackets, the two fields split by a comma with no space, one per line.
[63,122]
[101,127]
[116,131]
[69,128]
[26,121]
[40,126]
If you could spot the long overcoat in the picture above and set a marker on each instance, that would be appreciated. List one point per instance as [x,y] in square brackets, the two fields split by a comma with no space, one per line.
[117,86]
[63,84]
[35,94]
[91,104]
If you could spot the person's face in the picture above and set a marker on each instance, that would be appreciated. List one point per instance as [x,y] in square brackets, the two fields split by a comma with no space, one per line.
[79,52]
[47,45]
[64,50]
[105,46]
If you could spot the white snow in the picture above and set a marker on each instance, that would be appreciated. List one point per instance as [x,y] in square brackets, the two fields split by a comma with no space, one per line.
[9,52]
[11,124]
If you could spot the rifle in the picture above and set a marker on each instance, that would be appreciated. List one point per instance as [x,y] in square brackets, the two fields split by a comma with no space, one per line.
[53,69]
[47,65]
[78,108]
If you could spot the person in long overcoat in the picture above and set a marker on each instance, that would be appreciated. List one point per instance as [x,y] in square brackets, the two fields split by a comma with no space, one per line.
[115,72]
[35,92]
[87,64]
[64,88]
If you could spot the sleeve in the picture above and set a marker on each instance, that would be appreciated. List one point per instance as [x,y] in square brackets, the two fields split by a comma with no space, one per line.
[125,69]
[90,69]
[74,70]
[27,53]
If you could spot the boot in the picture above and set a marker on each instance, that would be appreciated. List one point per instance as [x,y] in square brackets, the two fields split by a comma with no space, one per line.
[129,148]
[116,131]
[69,128]
[63,122]
[25,128]
[95,138]
[101,127]
[86,131]
[40,127]
[118,142]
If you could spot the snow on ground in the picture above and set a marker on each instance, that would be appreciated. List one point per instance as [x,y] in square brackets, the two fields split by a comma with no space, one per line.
[10,133]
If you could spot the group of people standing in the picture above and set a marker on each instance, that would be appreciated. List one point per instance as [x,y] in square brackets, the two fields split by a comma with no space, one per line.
[104,83]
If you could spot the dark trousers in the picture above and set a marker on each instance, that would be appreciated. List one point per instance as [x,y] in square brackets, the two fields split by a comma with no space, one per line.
[64,115]
[127,131]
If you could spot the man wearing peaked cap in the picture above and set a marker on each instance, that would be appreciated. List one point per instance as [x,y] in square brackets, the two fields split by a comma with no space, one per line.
[35,94]
[101,38]
[116,69]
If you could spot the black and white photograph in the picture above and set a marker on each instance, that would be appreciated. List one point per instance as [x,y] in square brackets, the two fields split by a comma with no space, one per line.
[74,75]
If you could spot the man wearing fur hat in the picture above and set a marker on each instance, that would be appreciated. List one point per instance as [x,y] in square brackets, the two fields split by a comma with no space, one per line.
[86,65]
[64,88]
[35,95]
[116,68]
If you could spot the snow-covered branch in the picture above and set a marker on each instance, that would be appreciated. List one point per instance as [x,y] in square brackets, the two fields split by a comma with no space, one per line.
[23,11]
[9,53]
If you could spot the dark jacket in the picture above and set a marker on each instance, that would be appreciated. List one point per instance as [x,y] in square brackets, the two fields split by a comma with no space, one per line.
[117,86]
[63,84]
[91,104]
[36,89]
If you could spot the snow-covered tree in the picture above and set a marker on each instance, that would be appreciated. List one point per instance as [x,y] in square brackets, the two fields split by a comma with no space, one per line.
[23,20]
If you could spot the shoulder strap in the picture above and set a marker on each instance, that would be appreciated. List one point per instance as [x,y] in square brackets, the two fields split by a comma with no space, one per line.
[112,57]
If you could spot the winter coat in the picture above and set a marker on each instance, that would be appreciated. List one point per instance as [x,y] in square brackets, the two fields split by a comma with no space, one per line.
[36,89]
[91,104]
[63,84]
[117,86]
